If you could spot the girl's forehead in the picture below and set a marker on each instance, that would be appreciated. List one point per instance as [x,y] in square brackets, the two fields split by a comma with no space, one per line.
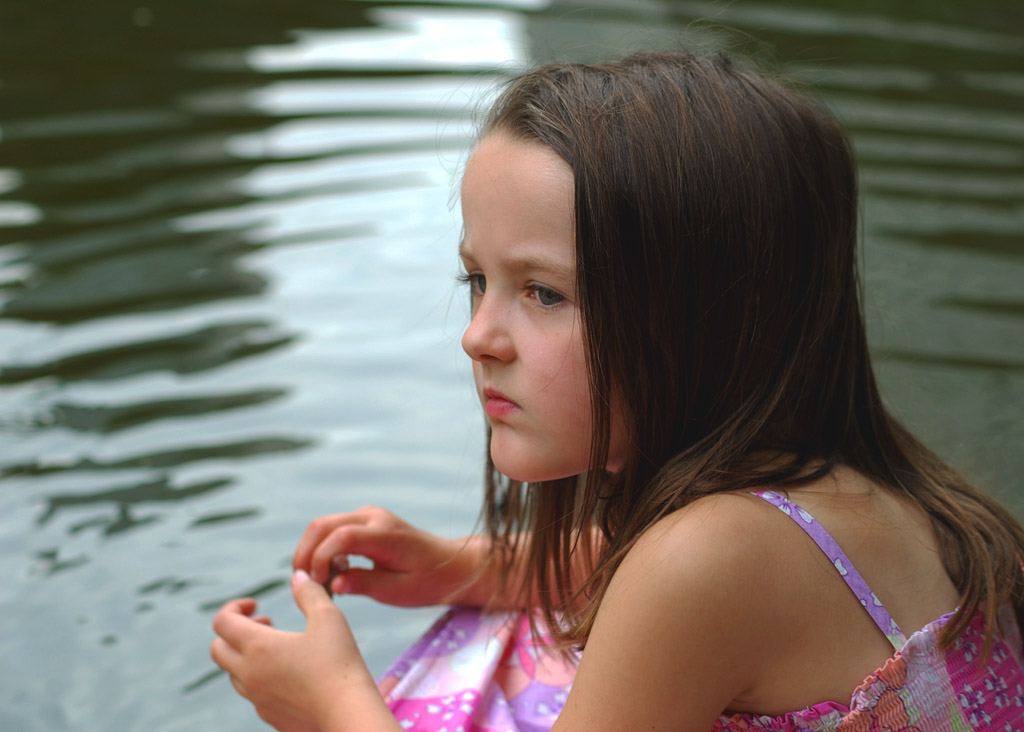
[500,155]
[517,202]
[512,184]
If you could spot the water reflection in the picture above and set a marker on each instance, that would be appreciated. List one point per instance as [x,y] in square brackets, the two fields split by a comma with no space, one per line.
[225,517]
[160,460]
[952,362]
[207,348]
[124,501]
[255,591]
[108,419]
[120,285]
[964,238]
[168,585]
[937,152]
[49,561]
[1014,308]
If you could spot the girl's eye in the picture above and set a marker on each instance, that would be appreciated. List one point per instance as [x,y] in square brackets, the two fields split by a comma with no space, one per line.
[546,297]
[476,281]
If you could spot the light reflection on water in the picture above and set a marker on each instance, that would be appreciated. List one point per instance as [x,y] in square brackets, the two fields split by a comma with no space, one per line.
[226,299]
[469,39]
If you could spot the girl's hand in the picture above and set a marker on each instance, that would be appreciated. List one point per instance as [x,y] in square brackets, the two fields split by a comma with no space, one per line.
[298,682]
[411,567]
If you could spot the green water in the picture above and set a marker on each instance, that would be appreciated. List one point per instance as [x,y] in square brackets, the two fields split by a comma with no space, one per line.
[227,242]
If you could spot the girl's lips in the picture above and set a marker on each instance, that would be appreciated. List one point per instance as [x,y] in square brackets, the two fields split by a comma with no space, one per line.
[497,404]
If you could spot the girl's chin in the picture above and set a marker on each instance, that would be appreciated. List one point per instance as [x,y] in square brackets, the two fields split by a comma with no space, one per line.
[533,473]
[524,473]
[526,470]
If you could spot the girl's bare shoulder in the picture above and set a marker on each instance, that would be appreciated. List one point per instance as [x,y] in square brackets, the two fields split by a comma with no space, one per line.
[722,529]
[718,554]
[679,634]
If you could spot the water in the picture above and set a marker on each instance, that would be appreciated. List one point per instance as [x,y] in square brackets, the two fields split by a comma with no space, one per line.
[227,241]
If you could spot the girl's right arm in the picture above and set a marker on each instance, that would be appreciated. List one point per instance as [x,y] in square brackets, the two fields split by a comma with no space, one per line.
[411,567]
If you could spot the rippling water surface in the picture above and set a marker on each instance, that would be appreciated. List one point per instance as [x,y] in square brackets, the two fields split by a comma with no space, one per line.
[227,241]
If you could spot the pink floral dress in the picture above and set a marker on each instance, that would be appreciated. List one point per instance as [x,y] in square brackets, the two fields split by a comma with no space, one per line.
[478,672]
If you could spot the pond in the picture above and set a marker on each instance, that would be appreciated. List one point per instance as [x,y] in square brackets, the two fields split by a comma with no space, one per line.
[227,299]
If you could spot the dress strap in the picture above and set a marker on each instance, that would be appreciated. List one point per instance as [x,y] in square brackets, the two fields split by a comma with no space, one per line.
[841,562]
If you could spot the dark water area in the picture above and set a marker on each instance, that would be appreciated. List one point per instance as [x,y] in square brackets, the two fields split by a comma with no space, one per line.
[227,306]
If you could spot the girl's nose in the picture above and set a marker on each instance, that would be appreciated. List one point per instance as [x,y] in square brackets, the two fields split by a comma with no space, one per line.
[488,336]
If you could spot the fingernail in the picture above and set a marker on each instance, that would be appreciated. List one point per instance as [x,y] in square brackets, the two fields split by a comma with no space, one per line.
[300,577]
[339,563]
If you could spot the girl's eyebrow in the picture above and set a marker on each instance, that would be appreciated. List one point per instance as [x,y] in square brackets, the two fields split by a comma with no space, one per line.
[526,263]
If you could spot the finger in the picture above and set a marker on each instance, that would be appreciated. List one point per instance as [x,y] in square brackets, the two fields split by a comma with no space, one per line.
[235,627]
[224,655]
[238,686]
[244,605]
[383,546]
[342,541]
[263,620]
[375,583]
[241,607]
[339,565]
[315,533]
[309,595]
[339,585]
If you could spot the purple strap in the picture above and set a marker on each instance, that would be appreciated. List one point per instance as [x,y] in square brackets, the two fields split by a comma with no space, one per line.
[842,564]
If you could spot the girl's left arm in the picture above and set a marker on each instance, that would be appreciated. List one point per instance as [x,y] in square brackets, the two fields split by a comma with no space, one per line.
[314,681]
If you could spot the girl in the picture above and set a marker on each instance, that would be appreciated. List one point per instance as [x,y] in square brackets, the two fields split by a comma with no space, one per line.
[668,343]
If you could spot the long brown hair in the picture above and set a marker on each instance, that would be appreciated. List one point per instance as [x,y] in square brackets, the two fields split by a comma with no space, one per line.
[716,244]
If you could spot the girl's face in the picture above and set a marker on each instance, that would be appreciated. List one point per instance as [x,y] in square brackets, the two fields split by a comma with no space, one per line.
[525,339]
